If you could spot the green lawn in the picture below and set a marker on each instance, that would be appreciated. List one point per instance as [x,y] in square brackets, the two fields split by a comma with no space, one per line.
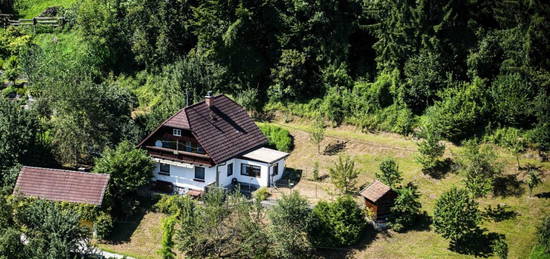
[31,8]
[368,150]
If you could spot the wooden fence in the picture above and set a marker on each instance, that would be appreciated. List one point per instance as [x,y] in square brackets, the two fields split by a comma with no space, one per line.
[6,20]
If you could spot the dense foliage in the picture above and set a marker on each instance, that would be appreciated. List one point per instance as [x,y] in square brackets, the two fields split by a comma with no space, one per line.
[344,174]
[291,225]
[339,223]
[130,169]
[456,214]
[389,173]
[277,137]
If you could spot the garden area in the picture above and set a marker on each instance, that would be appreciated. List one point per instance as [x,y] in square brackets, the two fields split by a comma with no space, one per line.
[522,214]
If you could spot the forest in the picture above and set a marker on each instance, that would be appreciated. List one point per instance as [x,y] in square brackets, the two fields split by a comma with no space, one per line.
[463,72]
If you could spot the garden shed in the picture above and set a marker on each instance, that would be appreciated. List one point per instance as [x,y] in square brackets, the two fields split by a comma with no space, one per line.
[379,198]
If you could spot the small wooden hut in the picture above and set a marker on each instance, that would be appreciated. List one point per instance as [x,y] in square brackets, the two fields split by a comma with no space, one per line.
[379,198]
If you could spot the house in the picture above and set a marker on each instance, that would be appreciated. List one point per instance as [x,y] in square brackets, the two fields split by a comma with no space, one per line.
[61,185]
[212,143]
[379,198]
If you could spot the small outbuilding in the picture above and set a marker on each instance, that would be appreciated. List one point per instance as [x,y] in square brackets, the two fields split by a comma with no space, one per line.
[379,198]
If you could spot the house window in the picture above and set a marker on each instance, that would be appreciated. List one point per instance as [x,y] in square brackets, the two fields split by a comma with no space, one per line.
[250,170]
[164,169]
[176,132]
[229,170]
[199,173]
[276,169]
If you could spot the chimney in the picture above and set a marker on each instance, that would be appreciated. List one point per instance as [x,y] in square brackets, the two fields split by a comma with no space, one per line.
[209,99]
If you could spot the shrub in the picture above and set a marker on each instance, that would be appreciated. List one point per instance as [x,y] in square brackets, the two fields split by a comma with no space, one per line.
[339,223]
[277,137]
[169,204]
[261,194]
[456,214]
[500,248]
[543,234]
[389,173]
[406,208]
[291,221]
[315,171]
[103,226]
[166,251]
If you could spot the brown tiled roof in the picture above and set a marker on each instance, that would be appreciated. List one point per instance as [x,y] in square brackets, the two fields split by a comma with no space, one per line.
[224,130]
[375,191]
[178,120]
[61,185]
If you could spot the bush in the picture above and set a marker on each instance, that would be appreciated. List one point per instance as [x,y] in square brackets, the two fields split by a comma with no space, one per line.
[543,234]
[169,204]
[103,226]
[277,137]
[261,194]
[456,214]
[339,223]
[500,248]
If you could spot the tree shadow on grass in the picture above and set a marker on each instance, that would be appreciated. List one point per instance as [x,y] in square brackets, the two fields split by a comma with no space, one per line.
[507,185]
[124,228]
[423,222]
[544,195]
[441,169]
[334,148]
[369,235]
[499,213]
[478,243]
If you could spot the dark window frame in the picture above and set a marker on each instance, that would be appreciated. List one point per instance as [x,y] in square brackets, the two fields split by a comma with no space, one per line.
[198,169]
[245,172]
[275,172]
[229,172]
[164,172]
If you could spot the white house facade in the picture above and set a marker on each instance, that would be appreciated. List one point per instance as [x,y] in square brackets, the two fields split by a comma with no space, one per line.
[212,143]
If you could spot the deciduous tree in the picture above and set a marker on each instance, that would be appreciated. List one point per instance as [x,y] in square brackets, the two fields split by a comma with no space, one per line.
[456,214]
[344,174]
[389,173]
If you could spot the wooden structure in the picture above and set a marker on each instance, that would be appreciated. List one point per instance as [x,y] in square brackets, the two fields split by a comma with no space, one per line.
[379,198]
[6,20]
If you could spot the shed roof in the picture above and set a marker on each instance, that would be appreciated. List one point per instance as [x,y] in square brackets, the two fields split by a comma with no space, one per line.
[375,191]
[61,185]
[266,155]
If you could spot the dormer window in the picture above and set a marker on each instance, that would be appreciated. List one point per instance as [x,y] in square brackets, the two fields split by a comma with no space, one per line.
[176,132]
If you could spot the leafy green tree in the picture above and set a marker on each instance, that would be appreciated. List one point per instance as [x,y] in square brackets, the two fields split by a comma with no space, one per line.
[318,133]
[291,225]
[344,174]
[340,223]
[456,214]
[17,133]
[479,164]
[533,180]
[430,150]
[389,173]
[130,169]
[52,232]
[166,251]
[425,77]
[11,246]
[289,76]
[406,207]
[223,226]
[462,110]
